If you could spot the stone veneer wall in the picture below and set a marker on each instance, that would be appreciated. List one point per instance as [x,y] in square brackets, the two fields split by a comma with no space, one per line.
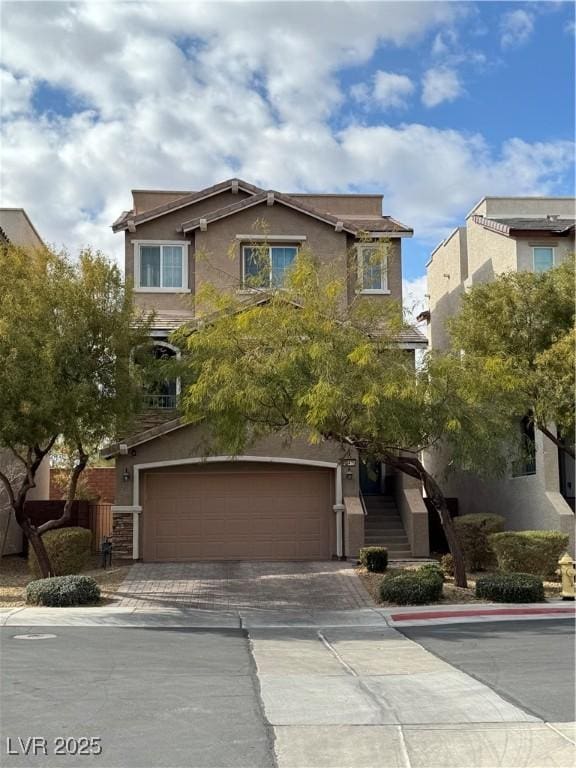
[122,527]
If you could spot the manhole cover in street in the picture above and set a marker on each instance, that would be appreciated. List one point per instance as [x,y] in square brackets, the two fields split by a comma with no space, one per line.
[35,636]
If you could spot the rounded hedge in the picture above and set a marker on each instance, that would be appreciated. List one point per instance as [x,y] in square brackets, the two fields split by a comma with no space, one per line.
[510,588]
[67,548]
[411,587]
[63,591]
[374,559]
[432,568]
[535,552]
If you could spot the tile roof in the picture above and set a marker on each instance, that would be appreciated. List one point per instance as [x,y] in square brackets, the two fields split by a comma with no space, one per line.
[259,195]
[507,225]
[167,320]
[375,224]
[186,199]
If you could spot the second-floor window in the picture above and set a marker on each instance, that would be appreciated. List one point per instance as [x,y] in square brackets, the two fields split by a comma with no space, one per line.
[372,269]
[161,266]
[543,258]
[266,266]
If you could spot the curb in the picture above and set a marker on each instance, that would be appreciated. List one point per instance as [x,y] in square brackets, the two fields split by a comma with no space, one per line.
[461,614]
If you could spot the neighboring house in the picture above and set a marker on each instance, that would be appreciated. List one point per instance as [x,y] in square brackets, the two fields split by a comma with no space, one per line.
[277,502]
[505,234]
[17,229]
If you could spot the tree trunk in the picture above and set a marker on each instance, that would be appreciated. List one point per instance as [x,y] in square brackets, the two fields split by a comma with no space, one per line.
[438,501]
[413,467]
[35,540]
[561,445]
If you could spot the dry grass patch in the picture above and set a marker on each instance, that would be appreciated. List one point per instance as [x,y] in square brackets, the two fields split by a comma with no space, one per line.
[14,576]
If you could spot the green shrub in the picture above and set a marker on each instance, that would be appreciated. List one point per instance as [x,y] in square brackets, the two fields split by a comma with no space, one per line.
[68,550]
[374,559]
[62,591]
[447,565]
[472,532]
[510,588]
[411,587]
[535,552]
[432,568]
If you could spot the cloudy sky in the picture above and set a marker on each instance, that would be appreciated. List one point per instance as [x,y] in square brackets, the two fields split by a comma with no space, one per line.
[434,104]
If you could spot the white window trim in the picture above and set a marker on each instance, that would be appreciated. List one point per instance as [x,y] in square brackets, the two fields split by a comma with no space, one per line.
[377,291]
[550,248]
[144,289]
[249,289]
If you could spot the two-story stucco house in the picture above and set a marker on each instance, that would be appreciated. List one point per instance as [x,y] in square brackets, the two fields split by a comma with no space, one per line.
[300,502]
[17,229]
[505,234]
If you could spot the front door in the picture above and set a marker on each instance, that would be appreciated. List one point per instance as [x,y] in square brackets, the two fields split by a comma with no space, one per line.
[370,478]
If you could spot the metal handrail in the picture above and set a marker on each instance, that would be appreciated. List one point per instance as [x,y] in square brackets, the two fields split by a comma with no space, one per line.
[362,502]
[161,401]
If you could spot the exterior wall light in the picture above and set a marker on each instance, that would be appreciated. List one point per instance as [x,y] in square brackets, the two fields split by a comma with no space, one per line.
[126,475]
[349,465]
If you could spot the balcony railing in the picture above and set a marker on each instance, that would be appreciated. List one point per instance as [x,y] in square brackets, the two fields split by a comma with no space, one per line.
[161,402]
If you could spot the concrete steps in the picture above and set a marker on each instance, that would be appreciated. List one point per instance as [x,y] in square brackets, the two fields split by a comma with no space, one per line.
[383,527]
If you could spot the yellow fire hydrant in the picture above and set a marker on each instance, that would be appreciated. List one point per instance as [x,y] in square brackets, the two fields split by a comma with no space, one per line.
[567,574]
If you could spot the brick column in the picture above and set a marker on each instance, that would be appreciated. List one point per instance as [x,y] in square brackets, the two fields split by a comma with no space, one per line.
[122,535]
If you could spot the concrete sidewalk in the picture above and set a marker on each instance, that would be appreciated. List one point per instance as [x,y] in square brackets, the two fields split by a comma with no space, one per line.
[371,697]
[248,618]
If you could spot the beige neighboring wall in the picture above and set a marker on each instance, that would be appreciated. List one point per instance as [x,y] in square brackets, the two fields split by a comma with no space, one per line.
[19,229]
[14,539]
[446,273]
[489,253]
[563,248]
[537,207]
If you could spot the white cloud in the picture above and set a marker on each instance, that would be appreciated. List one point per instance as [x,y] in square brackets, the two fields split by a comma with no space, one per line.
[15,93]
[184,95]
[387,89]
[391,90]
[440,84]
[516,28]
[414,297]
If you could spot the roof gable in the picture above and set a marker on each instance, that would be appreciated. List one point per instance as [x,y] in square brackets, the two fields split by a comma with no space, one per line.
[130,220]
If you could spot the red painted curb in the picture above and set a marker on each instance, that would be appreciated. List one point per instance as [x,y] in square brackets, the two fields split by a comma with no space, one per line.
[480,612]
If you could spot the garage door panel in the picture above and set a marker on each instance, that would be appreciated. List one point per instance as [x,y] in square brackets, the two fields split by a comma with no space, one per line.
[236,515]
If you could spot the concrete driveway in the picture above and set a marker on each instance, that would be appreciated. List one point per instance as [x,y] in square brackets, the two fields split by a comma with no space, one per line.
[245,585]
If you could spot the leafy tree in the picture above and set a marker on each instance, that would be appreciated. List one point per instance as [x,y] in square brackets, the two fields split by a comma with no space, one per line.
[300,361]
[67,330]
[528,319]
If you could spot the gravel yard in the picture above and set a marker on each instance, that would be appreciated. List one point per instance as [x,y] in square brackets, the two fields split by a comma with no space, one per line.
[14,576]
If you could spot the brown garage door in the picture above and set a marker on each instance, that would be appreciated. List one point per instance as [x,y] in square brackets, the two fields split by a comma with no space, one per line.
[238,512]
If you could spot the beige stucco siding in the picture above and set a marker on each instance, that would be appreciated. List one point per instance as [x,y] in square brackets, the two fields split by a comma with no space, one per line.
[502,207]
[218,251]
[563,247]
[356,205]
[445,275]
[191,442]
[40,491]
[489,253]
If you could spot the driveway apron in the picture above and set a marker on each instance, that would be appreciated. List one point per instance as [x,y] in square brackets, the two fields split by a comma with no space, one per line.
[245,585]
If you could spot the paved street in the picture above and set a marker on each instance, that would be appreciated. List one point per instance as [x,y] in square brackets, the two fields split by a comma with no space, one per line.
[530,663]
[295,697]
